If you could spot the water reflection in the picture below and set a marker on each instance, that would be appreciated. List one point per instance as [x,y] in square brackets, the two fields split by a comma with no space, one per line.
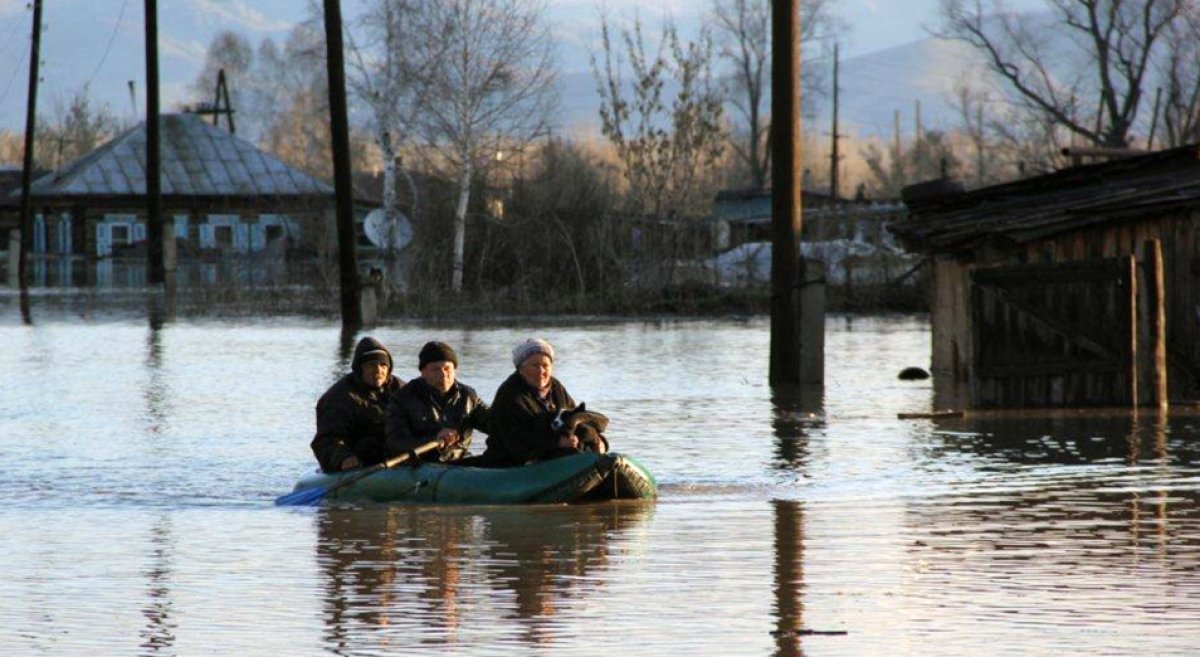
[1070,502]
[789,577]
[158,635]
[1072,437]
[798,411]
[156,394]
[406,575]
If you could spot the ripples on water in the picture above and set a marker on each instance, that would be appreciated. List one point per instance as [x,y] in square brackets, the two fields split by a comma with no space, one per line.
[140,465]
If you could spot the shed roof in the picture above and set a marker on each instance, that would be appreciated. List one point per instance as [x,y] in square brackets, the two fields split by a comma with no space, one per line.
[1069,199]
[198,159]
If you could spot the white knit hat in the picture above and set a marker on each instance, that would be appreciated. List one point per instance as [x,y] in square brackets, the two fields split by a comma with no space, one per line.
[531,347]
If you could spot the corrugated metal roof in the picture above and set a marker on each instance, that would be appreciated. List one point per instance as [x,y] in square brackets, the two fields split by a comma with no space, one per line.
[198,159]
[1070,199]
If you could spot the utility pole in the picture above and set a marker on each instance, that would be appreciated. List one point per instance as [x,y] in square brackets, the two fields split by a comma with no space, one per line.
[833,158]
[918,147]
[786,268]
[339,127]
[26,218]
[154,224]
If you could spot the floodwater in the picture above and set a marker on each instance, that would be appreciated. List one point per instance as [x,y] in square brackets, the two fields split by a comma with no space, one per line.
[140,465]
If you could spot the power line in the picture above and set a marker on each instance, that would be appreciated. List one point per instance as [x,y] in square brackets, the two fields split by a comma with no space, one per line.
[13,77]
[111,39]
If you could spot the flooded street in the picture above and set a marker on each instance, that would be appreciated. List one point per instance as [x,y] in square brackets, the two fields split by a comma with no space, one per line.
[140,466]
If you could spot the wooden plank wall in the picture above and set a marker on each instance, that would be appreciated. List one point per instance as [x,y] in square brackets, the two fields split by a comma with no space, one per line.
[1179,235]
[1056,334]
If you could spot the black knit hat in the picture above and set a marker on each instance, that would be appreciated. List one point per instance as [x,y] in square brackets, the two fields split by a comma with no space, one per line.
[435,351]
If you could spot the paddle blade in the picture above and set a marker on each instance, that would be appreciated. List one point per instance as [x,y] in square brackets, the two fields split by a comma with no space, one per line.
[306,497]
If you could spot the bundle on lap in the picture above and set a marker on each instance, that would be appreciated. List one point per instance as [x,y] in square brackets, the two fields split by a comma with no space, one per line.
[587,426]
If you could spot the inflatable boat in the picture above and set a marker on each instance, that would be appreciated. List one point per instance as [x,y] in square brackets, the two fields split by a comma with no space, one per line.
[576,478]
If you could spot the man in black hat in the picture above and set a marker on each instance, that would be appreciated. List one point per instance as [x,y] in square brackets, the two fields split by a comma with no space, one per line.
[435,406]
[352,413]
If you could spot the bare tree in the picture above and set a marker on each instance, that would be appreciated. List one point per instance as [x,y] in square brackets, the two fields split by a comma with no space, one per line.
[76,128]
[743,33]
[1114,39]
[665,145]
[489,79]
[1179,71]
[387,78]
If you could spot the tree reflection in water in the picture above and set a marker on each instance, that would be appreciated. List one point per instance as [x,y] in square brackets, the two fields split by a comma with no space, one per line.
[408,575]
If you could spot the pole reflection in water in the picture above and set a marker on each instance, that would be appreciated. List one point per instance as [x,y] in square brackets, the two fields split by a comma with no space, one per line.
[158,636]
[345,351]
[1154,449]
[796,412]
[789,577]
[157,393]
[400,576]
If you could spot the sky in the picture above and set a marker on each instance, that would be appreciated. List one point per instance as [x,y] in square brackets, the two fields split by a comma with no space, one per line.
[99,43]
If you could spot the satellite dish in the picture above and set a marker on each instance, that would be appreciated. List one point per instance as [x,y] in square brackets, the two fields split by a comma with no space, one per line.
[393,236]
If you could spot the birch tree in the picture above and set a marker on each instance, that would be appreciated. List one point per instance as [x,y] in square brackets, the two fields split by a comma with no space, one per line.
[487,68]
[385,76]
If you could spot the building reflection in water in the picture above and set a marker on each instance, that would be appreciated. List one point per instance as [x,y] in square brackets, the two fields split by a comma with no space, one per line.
[1068,492]
[158,635]
[406,575]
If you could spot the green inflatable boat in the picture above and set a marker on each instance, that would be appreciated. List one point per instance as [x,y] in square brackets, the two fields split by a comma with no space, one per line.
[576,478]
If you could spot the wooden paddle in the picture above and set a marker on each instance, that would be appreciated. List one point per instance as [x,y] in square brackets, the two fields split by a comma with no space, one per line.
[313,496]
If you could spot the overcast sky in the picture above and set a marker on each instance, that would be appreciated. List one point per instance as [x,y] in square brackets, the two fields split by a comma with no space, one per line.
[99,42]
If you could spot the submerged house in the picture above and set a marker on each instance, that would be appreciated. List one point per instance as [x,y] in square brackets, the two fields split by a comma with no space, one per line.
[849,236]
[1076,288]
[220,196]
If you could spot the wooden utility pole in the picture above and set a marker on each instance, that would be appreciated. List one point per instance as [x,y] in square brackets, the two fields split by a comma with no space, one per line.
[339,127]
[786,268]
[26,218]
[833,157]
[154,223]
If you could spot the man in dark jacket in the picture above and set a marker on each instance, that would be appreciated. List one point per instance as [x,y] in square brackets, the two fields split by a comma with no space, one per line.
[351,414]
[523,408]
[435,406]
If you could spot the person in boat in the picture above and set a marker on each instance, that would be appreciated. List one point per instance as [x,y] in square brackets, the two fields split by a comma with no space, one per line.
[523,409]
[435,405]
[351,414]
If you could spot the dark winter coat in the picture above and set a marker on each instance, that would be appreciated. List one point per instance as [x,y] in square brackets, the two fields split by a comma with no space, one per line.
[417,412]
[520,423]
[351,416]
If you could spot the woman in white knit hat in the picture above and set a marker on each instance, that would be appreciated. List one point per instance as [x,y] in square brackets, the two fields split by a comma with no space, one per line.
[524,406]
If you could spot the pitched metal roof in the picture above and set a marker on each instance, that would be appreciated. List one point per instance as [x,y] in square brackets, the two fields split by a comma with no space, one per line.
[1069,199]
[198,159]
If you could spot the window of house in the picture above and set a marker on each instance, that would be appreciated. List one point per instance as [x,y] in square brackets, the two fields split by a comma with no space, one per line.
[119,234]
[273,232]
[223,236]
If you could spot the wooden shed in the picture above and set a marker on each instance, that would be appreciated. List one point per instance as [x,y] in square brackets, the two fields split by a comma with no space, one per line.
[1076,288]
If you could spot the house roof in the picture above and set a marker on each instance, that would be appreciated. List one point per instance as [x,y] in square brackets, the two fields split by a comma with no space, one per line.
[198,159]
[1069,199]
